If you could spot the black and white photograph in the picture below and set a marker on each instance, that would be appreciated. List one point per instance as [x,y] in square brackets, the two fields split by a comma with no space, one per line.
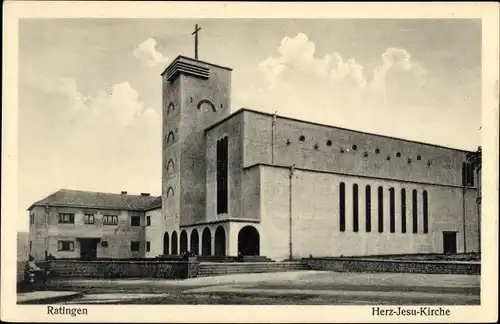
[200,160]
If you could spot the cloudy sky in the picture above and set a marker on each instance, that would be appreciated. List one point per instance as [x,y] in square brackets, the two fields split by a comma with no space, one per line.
[90,90]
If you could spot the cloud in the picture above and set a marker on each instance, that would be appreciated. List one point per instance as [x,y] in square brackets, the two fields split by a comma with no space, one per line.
[335,89]
[147,53]
[105,141]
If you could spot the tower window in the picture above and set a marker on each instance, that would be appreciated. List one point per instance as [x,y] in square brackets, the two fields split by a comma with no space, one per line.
[388,158]
[329,143]
[316,146]
[342,206]
[377,151]
[222,175]
[302,138]
[409,160]
[342,150]
[288,141]
[366,154]
[354,147]
[429,163]
[419,158]
[398,154]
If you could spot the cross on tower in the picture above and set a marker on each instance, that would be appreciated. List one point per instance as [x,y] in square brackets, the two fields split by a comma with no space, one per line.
[195,33]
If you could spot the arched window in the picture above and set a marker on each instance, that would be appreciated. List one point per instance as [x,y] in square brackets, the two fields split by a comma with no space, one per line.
[170,166]
[368,208]
[392,210]
[426,213]
[342,206]
[170,137]
[170,108]
[415,211]
[170,191]
[380,209]
[355,217]
[403,210]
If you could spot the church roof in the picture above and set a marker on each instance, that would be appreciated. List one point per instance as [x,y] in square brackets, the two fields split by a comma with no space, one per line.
[98,200]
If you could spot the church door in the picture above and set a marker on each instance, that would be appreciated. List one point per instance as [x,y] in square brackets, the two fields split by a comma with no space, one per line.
[248,241]
[449,242]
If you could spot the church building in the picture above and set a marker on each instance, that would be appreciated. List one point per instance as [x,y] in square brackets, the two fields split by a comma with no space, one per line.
[253,183]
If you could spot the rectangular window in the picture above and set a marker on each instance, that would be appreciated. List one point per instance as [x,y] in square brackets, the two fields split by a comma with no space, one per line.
[342,207]
[368,210]
[148,221]
[134,246]
[135,221]
[66,218]
[31,245]
[32,218]
[403,211]
[222,175]
[65,246]
[355,216]
[426,213]
[110,220]
[392,210]
[88,219]
[415,211]
[380,210]
[148,246]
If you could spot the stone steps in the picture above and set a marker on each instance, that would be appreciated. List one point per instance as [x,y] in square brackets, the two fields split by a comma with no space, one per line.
[214,269]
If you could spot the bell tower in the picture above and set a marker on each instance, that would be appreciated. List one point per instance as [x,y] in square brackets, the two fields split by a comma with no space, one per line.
[196,94]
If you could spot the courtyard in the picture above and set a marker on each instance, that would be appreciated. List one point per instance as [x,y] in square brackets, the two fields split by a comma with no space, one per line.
[281,288]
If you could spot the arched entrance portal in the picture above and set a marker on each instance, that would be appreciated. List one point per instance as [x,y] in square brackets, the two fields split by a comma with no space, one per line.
[174,243]
[206,242]
[195,242]
[220,241]
[184,242]
[248,241]
[166,243]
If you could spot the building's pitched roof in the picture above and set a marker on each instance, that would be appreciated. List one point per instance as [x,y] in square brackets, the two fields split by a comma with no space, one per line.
[98,200]
[156,203]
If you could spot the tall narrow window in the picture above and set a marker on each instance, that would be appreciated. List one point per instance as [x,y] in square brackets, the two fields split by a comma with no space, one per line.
[426,213]
[222,167]
[392,210]
[355,216]
[342,206]
[415,211]
[380,209]
[468,174]
[403,211]
[368,208]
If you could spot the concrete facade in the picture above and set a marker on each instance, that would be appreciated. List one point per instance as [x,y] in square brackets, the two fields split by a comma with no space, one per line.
[46,232]
[261,149]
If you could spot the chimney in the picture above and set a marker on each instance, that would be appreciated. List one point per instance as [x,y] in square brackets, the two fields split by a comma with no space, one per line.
[146,194]
[124,192]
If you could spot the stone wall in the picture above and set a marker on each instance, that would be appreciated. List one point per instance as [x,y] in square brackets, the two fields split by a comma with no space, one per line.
[124,269]
[374,265]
